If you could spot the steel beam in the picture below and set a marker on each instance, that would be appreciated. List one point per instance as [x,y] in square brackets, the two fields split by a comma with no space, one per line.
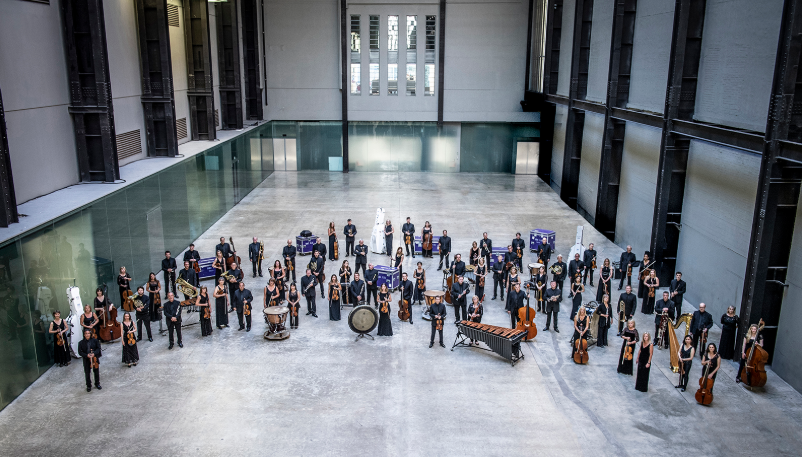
[441,64]
[199,70]
[8,199]
[345,53]
[228,65]
[250,54]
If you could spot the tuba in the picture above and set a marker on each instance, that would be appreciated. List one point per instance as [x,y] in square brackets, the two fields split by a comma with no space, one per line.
[187,289]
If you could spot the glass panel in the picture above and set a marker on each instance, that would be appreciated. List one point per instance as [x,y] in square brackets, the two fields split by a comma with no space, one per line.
[411,69]
[392,79]
[403,146]
[489,147]
[431,29]
[412,32]
[356,86]
[374,38]
[392,33]
[356,40]
[428,79]
[374,79]
[317,142]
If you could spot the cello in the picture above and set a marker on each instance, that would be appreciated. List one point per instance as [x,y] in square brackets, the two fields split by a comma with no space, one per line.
[427,242]
[526,317]
[581,348]
[110,329]
[704,396]
[128,302]
[754,371]
[235,257]
[403,307]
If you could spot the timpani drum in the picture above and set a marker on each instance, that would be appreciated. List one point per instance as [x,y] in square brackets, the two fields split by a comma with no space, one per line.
[430,295]
[275,318]
[534,268]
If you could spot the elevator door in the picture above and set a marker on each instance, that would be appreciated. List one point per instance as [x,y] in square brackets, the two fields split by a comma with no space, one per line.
[284,158]
[527,155]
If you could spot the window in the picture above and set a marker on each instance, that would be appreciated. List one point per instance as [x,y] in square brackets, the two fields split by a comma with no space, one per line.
[374,39]
[412,33]
[412,54]
[411,69]
[392,33]
[356,43]
[429,53]
[356,87]
[392,79]
[374,79]
[428,79]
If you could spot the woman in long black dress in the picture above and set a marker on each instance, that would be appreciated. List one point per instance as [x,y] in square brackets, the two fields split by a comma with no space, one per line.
[293,300]
[332,237]
[712,359]
[644,363]
[685,354]
[605,275]
[729,330]
[203,304]
[279,274]
[630,337]
[220,301]
[61,353]
[751,338]
[576,292]
[604,321]
[650,285]
[335,298]
[512,279]
[123,282]
[130,352]
[385,325]
[271,294]
[481,279]
[420,284]
[388,238]
[541,284]
[581,328]
[473,254]
[219,265]
[89,321]
[427,229]
[399,257]
[475,312]
[154,295]
[641,286]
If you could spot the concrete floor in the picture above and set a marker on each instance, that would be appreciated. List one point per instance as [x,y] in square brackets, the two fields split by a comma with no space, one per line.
[322,393]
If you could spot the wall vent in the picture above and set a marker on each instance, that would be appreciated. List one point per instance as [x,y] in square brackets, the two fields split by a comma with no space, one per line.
[172,15]
[181,127]
[129,144]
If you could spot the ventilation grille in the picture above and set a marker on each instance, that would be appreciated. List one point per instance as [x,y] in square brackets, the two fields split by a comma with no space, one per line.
[181,127]
[217,118]
[172,15]
[129,144]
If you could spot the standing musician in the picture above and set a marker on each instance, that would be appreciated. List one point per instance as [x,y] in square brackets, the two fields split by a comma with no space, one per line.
[459,291]
[420,283]
[243,301]
[124,283]
[752,337]
[409,236]
[498,276]
[308,283]
[293,300]
[371,280]
[89,350]
[234,279]
[519,246]
[58,329]
[643,273]
[361,256]
[203,304]
[332,238]
[445,249]
[345,279]
[473,254]
[279,275]
[481,279]
[701,323]
[317,265]
[541,281]
[559,278]
[350,232]
[407,289]
[711,357]
[438,313]
[630,303]
[169,267]
[513,278]
[89,320]
[399,259]
[624,266]
[219,265]
[255,256]
[604,311]
[475,312]
[220,304]
[388,238]
[589,259]
[427,230]
[271,295]
[458,266]
[143,314]
[651,283]
[667,306]
[192,256]
[544,252]
[509,259]
[225,248]
[319,247]
[289,253]
[677,289]
[356,290]
[553,297]
[515,301]
[335,298]
[575,268]
[486,248]
[685,355]
[172,313]
[577,288]
[188,274]
[154,295]
[605,280]
[581,328]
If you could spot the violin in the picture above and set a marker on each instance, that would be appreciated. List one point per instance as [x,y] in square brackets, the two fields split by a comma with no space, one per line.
[385,308]
[59,338]
[526,317]
[130,338]
[704,396]
[628,352]
[336,250]
[207,311]
[439,323]
[403,307]
[754,371]
[335,293]
[95,361]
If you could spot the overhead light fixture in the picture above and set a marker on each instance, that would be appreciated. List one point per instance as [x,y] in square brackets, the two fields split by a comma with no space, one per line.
[217,1]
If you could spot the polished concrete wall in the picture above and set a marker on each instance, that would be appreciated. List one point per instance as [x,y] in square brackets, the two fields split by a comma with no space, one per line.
[650,51]
[786,361]
[600,39]
[739,47]
[592,142]
[558,147]
[178,56]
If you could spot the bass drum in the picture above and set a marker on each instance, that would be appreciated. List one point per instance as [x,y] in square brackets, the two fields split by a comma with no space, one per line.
[363,319]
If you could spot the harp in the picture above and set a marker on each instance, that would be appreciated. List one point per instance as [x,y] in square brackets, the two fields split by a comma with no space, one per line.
[673,343]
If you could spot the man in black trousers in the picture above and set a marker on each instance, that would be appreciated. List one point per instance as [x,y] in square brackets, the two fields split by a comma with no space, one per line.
[438,313]
[169,267]
[498,276]
[308,283]
[254,257]
[371,280]
[677,290]
[192,256]
[515,302]
[350,234]
[587,259]
[667,305]
[172,314]
[444,248]
[630,304]
[361,256]
[701,323]
[188,274]
[486,249]
[553,297]
[243,300]
[89,349]
[627,258]
[459,291]
[143,314]
[289,253]
[409,232]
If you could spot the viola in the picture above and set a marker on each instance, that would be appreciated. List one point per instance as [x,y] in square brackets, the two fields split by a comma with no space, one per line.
[95,361]
[59,338]
[754,371]
[207,312]
[526,317]
[704,396]
[247,309]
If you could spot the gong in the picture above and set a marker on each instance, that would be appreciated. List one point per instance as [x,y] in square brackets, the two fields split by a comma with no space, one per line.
[363,319]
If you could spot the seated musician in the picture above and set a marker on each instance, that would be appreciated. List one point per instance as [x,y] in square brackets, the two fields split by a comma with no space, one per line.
[356,290]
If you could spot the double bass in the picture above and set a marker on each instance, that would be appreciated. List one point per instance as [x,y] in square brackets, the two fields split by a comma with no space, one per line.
[403,307]
[704,396]
[427,241]
[128,302]
[526,317]
[754,371]
[233,258]
[110,329]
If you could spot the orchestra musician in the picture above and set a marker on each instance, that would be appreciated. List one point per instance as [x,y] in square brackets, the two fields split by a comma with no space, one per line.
[685,355]
[61,352]
[588,258]
[420,283]
[576,293]
[664,305]
[519,247]
[289,253]
[123,282]
[644,363]
[407,289]
[544,252]
[575,268]
[553,297]
[627,259]
[750,339]
[481,278]
[513,278]
[89,349]
[350,233]
[581,328]
[711,357]
[317,265]
[371,282]
[486,249]
[154,297]
[677,289]
[332,238]
[641,276]
[388,239]
[475,312]
[335,298]
[202,301]
[729,328]
[444,244]
[220,303]
[427,230]
[225,248]
[345,273]
[130,352]
[541,284]
[559,278]
[271,294]
[605,280]
[254,257]
[631,338]
[356,291]
[243,298]
[172,313]
[409,236]
[89,320]
[515,301]
[701,323]
[236,277]
[308,283]
[473,254]
[320,248]
[385,327]
[219,265]
[188,274]
[458,266]
[498,276]
[143,314]
[651,283]
[509,263]
[293,302]
[399,258]
[438,313]
[630,303]
[192,256]
[361,256]
[169,267]
[459,298]
[604,311]
[279,275]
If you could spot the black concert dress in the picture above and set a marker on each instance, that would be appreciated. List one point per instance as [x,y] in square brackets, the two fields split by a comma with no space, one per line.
[334,305]
[87,322]
[154,307]
[603,325]
[741,365]
[577,299]
[205,324]
[473,256]
[220,315]
[130,352]
[427,252]
[61,354]
[729,327]
[625,366]
[479,291]
[648,302]
[332,237]
[604,287]
[282,293]
[581,325]
[398,265]
[385,325]
[388,240]
[686,366]
[642,379]
[418,296]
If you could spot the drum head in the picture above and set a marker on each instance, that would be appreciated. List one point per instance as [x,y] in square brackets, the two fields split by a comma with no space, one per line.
[363,319]
[433,293]
[470,267]
[276,310]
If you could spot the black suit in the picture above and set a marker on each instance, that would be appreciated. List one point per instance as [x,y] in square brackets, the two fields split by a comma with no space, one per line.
[321,248]
[544,254]
[630,304]
[516,245]
[515,302]
[409,228]
[699,322]
[169,277]
[361,258]
[679,287]
[192,256]
[486,250]
[84,348]
[444,245]
[460,303]
[626,259]
[318,271]
[560,278]
[372,276]
[349,239]
[239,302]
[407,288]
[658,311]
[458,268]
[143,316]
[356,289]
[575,267]
[498,277]
[253,256]
[434,310]
[225,248]
[189,276]
[552,307]
[290,251]
[587,259]
[173,309]
[308,290]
